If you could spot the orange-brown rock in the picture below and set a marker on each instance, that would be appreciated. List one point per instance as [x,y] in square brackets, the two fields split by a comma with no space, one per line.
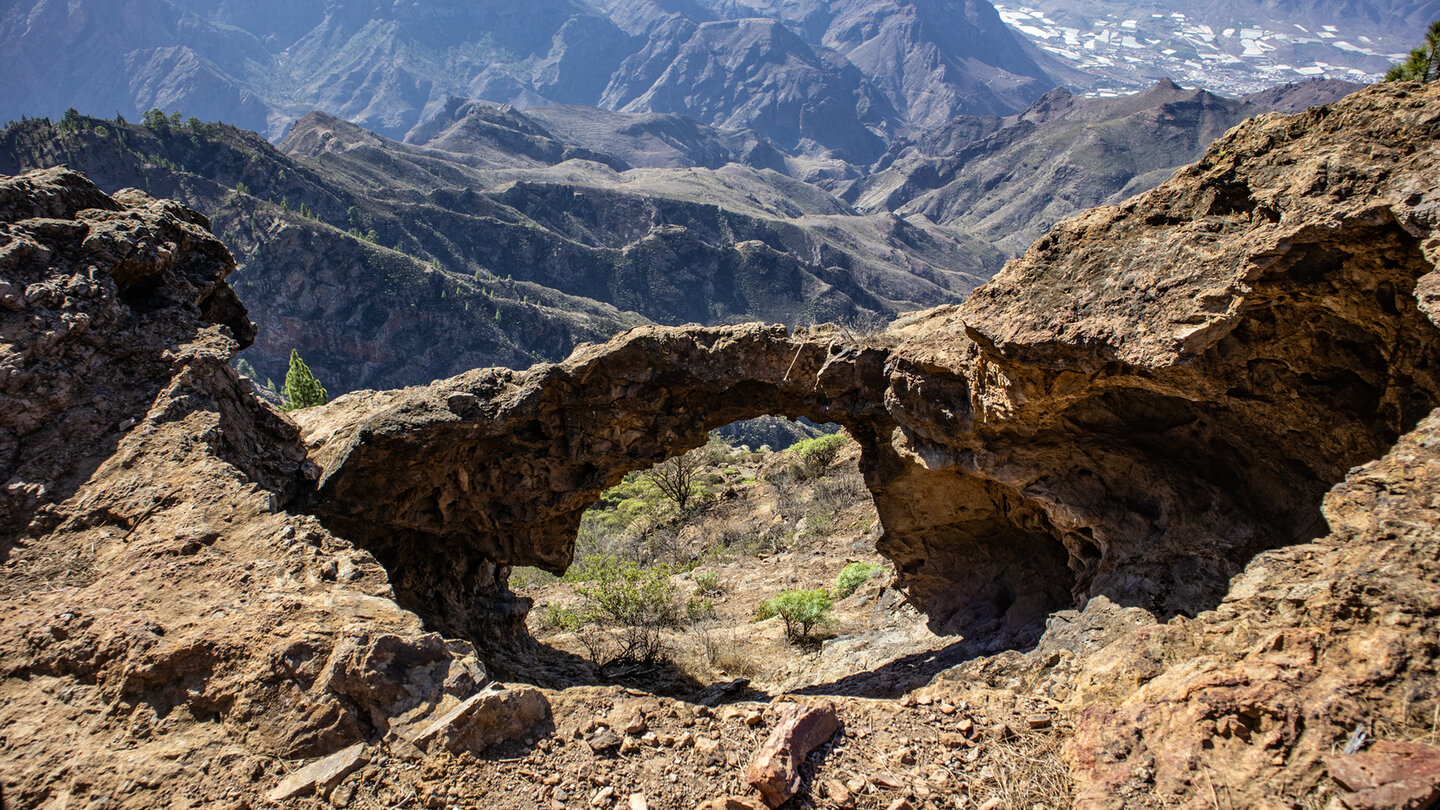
[1399,776]
[1146,399]
[774,770]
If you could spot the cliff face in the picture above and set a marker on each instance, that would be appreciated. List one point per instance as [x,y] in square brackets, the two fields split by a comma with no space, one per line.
[1116,456]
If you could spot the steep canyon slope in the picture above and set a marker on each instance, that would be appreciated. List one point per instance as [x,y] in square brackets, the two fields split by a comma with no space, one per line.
[495,243]
[1146,416]
[827,83]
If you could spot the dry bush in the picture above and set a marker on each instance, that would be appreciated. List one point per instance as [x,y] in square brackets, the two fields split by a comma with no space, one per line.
[722,650]
[1028,769]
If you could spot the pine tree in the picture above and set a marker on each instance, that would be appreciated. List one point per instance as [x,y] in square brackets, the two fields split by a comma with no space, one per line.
[1423,63]
[302,390]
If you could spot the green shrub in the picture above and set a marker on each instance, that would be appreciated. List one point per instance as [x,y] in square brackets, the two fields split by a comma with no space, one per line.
[851,577]
[624,593]
[699,609]
[817,454]
[567,619]
[800,610]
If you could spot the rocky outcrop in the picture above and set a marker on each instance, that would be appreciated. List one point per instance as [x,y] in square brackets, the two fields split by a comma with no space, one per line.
[1131,431]
[165,624]
[1170,386]
[1119,414]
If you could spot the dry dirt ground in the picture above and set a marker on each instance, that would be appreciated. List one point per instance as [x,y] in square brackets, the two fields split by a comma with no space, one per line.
[943,747]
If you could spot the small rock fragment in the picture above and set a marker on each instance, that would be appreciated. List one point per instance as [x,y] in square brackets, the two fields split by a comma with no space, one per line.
[636,725]
[709,750]
[1038,721]
[602,740]
[637,802]
[602,796]
[885,781]
[1002,732]
[1389,775]
[901,804]
[731,803]
[839,795]
[775,768]
[320,775]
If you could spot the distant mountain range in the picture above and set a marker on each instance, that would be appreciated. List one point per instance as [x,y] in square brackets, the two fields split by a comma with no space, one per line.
[503,237]
[831,78]
[812,77]
[499,241]
[1008,181]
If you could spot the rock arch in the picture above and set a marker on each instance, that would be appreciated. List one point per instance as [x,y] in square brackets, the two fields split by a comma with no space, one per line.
[451,484]
[1147,398]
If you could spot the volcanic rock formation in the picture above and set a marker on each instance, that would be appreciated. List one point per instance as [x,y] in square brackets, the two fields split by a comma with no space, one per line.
[1151,401]
[1149,397]
[151,579]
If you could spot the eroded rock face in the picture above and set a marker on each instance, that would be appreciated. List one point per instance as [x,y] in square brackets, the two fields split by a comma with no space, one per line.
[1168,387]
[1149,397]
[164,623]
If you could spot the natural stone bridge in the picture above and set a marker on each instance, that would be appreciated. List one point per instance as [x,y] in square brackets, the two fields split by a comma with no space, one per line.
[1134,408]
[449,482]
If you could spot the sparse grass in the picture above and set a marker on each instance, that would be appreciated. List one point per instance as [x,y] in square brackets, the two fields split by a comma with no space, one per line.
[1028,769]
[707,582]
[725,652]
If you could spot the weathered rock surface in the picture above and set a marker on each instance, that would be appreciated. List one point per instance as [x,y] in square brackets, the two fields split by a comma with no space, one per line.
[452,483]
[1151,397]
[321,775]
[165,624]
[1143,445]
